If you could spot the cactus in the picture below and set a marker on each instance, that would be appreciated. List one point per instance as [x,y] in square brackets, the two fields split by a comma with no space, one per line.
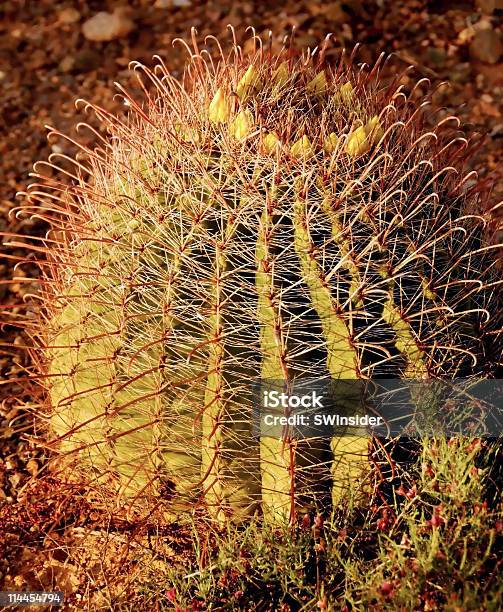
[265,217]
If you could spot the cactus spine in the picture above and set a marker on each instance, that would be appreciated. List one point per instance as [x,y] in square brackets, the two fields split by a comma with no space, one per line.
[267,218]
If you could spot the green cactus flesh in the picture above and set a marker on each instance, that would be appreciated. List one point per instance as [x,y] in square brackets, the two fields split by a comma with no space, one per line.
[310,225]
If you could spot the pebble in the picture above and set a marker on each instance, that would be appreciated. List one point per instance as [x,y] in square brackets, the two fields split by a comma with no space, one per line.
[66,64]
[487,46]
[69,15]
[107,26]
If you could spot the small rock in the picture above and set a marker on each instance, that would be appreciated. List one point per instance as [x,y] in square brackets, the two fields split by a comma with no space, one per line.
[181,2]
[487,46]
[107,26]
[69,15]
[66,64]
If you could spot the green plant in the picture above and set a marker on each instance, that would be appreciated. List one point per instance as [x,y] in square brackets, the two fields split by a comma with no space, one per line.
[436,550]
[266,217]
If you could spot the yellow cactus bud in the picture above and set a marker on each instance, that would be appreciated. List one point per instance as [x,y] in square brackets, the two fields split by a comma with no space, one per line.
[248,82]
[280,75]
[242,124]
[219,109]
[302,148]
[358,142]
[346,93]
[271,141]
[318,85]
[330,143]
[362,138]
[374,129]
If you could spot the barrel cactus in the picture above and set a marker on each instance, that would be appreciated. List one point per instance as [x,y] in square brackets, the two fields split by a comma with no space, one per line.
[266,217]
